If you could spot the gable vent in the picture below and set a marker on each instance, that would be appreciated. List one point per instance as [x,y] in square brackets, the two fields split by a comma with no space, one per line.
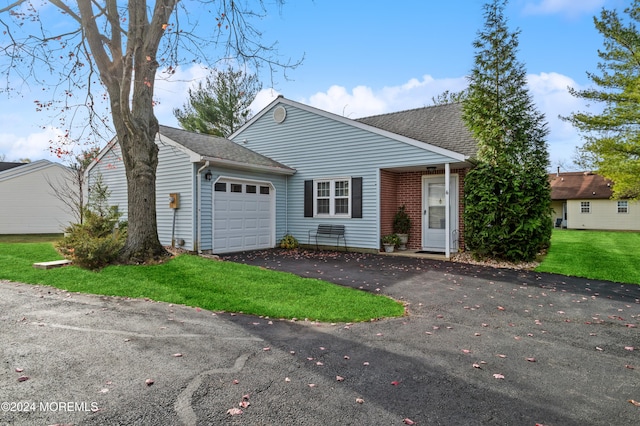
[279,114]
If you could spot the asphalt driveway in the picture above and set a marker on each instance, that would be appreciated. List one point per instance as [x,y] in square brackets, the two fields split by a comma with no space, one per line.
[478,346]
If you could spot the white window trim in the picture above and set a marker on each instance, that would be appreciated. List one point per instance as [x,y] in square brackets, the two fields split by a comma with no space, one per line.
[332,197]
[588,206]
[626,207]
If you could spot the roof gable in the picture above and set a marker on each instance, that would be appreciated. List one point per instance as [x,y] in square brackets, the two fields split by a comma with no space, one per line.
[26,168]
[579,185]
[429,140]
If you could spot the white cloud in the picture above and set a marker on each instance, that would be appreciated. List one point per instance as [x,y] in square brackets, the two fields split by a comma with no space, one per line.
[34,146]
[173,91]
[571,8]
[364,101]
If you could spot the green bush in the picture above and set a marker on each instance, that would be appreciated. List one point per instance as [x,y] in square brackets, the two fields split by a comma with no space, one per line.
[289,242]
[96,242]
[507,212]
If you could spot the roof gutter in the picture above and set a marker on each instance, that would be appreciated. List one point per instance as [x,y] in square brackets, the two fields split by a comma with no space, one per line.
[244,166]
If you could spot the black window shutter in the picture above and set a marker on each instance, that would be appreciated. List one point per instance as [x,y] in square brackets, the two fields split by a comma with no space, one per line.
[308,198]
[356,198]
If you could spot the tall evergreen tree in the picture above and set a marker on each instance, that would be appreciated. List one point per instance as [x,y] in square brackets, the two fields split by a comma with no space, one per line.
[221,105]
[507,195]
[612,137]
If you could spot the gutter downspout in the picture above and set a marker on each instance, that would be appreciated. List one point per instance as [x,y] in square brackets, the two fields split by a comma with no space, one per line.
[199,205]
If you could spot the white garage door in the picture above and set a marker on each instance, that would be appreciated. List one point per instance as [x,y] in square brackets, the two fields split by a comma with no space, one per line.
[243,216]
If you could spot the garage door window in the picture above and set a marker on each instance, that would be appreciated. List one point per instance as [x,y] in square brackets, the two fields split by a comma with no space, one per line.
[251,189]
[265,190]
[221,187]
[236,187]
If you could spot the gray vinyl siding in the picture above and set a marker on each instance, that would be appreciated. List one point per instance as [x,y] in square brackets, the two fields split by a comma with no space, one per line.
[175,174]
[111,168]
[318,146]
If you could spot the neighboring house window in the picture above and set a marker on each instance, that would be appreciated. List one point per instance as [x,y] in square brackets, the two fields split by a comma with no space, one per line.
[332,197]
[585,207]
[623,207]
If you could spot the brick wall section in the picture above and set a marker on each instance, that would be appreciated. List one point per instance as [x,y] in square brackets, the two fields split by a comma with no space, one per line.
[399,189]
[388,203]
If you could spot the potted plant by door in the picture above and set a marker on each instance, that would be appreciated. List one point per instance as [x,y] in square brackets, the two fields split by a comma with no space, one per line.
[401,226]
[390,242]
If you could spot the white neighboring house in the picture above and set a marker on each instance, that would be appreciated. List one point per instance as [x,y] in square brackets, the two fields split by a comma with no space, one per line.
[583,200]
[29,205]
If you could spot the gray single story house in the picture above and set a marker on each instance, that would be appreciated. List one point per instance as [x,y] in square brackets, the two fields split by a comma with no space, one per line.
[293,167]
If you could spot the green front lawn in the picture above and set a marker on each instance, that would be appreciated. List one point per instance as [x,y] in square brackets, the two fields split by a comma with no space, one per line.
[601,255]
[195,281]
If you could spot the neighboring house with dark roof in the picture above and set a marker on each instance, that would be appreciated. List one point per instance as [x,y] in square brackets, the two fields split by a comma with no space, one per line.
[29,204]
[582,200]
[293,167]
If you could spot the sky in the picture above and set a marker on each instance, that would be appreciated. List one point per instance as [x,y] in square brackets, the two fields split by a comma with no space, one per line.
[369,57]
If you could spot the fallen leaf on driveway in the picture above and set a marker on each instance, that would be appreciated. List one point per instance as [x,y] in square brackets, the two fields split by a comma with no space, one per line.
[395,383]
[23,378]
[498,376]
[531,359]
[359,400]
[598,348]
[476,365]
[634,402]
[149,382]
[340,378]
[234,411]
[244,404]
[630,367]
[501,356]
[177,355]
[500,308]
[629,348]
[408,421]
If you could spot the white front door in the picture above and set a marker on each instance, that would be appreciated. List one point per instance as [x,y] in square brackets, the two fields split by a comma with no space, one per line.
[434,213]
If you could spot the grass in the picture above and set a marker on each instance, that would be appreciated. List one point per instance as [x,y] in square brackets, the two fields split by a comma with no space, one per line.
[194,281]
[602,255]
[29,238]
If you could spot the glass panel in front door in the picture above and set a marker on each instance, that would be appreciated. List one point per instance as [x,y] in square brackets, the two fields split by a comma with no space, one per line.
[436,206]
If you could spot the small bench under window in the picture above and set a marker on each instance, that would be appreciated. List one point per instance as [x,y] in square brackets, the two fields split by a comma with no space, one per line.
[327,232]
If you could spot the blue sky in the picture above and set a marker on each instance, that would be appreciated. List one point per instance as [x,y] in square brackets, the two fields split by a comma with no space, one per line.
[371,57]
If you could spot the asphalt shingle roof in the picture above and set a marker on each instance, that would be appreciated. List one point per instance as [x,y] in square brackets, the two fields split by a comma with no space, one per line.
[219,148]
[439,125]
[7,166]
[579,185]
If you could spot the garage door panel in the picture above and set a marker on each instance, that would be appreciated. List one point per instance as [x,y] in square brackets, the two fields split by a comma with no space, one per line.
[242,221]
